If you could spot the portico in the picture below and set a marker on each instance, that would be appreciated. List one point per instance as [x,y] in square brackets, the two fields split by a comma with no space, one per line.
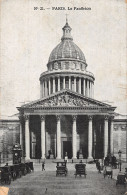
[67,118]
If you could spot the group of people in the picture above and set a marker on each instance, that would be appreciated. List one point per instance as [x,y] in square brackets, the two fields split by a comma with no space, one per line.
[110,159]
[98,166]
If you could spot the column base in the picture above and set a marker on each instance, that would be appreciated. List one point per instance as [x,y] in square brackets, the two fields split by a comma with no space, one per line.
[27,158]
[51,156]
[43,158]
[80,156]
[90,159]
[58,158]
[74,158]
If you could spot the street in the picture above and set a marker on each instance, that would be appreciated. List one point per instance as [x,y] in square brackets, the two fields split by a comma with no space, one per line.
[45,182]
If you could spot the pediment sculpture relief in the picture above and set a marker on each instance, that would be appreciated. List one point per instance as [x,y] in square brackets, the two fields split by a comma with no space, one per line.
[64,100]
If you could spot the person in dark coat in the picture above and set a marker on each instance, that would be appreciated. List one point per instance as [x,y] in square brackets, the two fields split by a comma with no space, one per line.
[43,166]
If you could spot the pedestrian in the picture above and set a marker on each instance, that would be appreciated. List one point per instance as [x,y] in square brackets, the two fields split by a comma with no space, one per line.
[98,166]
[43,166]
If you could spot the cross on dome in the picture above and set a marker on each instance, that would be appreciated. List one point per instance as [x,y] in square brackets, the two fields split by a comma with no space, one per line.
[66,18]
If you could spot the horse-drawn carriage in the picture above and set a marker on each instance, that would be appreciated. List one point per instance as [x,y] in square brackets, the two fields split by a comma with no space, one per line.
[80,169]
[18,170]
[28,169]
[121,178]
[61,168]
[108,171]
[23,168]
[31,166]
[13,172]
[5,175]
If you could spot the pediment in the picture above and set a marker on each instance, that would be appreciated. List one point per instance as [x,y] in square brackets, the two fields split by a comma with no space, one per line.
[65,98]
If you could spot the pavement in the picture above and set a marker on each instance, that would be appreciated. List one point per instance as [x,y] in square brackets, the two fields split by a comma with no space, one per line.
[45,182]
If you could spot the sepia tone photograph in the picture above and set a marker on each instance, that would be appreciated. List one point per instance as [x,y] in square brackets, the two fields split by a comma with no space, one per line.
[63,97]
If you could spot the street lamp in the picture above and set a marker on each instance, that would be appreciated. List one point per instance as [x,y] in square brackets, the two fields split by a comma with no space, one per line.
[0,158]
[119,153]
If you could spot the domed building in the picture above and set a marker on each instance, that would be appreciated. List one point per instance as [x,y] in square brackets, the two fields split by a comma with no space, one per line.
[66,120]
[67,69]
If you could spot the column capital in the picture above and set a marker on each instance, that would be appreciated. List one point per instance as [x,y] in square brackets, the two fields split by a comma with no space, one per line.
[57,76]
[20,118]
[106,117]
[26,117]
[58,117]
[74,117]
[90,117]
[42,117]
[112,118]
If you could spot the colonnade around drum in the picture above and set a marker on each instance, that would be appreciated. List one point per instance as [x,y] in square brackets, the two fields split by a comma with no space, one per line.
[80,85]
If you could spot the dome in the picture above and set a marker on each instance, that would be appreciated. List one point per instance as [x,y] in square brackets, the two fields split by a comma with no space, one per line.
[66,49]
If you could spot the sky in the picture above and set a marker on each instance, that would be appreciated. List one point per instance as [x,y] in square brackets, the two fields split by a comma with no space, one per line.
[28,36]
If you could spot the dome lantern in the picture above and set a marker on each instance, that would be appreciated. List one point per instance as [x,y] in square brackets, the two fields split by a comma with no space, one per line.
[66,32]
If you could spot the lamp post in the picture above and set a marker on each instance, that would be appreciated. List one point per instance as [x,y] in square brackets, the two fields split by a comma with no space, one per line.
[0,158]
[119,153]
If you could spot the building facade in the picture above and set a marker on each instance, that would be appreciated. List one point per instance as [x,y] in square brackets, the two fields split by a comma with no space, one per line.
[9,135]
[66,120]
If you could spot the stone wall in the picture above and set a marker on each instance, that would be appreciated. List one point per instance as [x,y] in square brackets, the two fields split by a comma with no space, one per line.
[9,135]
[120,137]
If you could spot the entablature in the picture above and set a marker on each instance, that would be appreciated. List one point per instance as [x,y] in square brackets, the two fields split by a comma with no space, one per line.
[86,75]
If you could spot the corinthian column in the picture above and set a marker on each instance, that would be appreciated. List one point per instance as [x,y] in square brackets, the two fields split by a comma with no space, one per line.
[70,83]
[74,137]
[105,136]
[64,83]
[43,92]
[58,137]
[79,85]
[111,136]
[87,88]
[21,137]
[58,83]
[54,85]
[84,87]
[93,90]
[45,88]
[42,136]
[75,84]
[49,89]
[90,137]
[90,89]
[27,137]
